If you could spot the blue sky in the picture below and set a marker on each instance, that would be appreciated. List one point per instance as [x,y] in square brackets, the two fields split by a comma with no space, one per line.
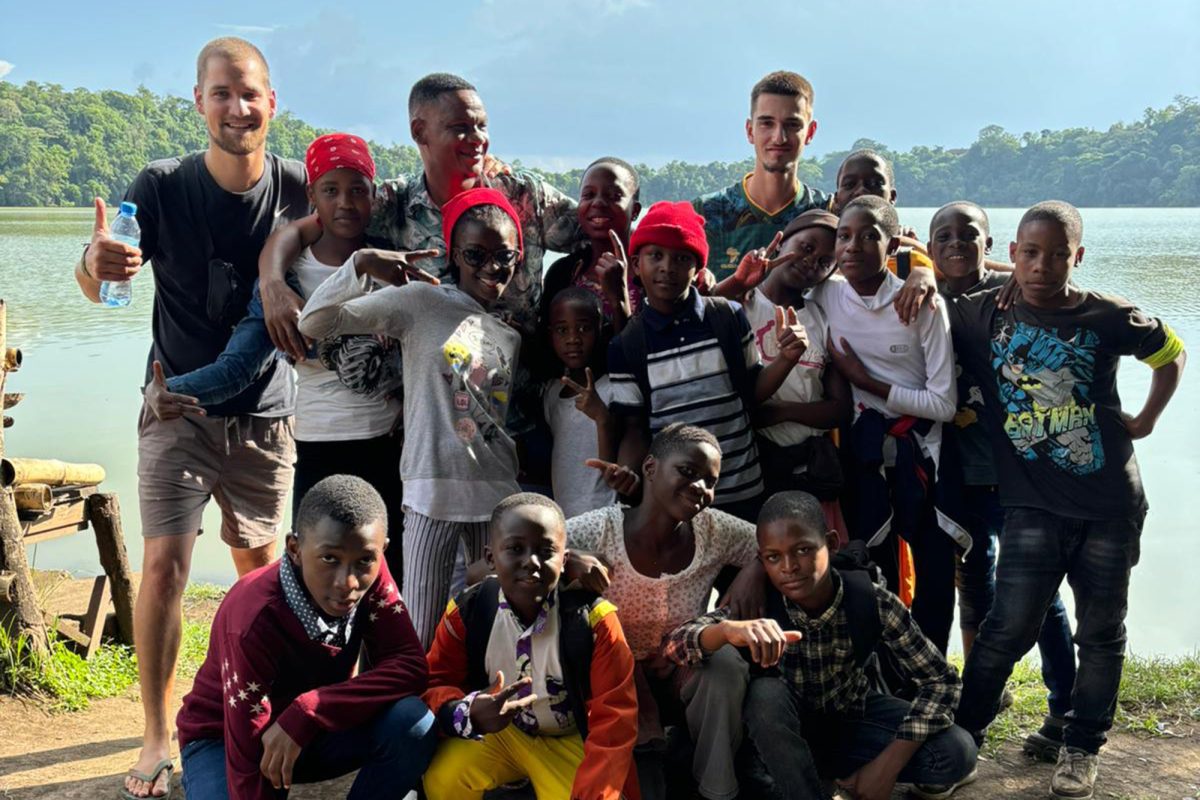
[649,80]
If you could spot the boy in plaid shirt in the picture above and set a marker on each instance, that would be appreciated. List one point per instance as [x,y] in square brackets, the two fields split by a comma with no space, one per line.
[812,708]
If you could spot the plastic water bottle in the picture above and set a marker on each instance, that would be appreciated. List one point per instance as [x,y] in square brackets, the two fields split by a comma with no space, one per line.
[116,294]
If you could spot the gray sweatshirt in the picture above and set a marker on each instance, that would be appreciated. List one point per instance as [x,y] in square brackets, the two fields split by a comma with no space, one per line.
[458,461]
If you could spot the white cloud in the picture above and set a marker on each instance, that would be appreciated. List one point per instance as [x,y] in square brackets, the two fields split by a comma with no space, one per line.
[247,30]
[6,67]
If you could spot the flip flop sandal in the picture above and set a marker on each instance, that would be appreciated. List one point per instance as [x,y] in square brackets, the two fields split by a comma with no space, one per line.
[150,777]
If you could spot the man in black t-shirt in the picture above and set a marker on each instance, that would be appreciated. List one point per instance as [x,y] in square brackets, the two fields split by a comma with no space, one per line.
[1068,478]
[203,219]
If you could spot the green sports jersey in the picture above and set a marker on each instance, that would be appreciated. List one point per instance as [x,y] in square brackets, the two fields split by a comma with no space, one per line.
[734,225]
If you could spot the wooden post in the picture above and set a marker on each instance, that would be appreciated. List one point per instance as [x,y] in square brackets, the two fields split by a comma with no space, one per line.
[104,513]
[25,616]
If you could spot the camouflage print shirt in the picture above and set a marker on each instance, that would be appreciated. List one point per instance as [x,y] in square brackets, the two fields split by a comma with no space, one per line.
[734,225]
[406,218]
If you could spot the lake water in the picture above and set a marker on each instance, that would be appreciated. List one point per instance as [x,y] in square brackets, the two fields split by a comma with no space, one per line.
[84,365]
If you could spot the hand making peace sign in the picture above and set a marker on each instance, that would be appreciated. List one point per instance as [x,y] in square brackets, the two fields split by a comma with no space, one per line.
[754,266]
[790,336]
[587,399]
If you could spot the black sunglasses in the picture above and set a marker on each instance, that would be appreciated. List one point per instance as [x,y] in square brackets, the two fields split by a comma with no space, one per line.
[478,257]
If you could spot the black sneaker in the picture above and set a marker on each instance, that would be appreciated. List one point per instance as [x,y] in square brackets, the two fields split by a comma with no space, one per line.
[1045,743]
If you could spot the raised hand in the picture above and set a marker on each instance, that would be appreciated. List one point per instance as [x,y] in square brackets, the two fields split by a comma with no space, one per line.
[621,480]
[791,337]
[1009,294]
[754,266]
[765,639]
[107,259]
[613,271]
[167,404]
[587,399]
[492,711]
[394,267]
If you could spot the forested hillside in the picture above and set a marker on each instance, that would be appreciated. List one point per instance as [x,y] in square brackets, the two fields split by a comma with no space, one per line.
[61,148]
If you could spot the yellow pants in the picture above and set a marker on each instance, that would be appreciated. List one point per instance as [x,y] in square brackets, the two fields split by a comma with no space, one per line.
[466,768]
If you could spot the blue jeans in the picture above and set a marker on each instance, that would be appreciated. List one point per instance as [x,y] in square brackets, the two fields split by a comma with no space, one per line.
[1037,550]
[800,747]
[390,753]
[976,579]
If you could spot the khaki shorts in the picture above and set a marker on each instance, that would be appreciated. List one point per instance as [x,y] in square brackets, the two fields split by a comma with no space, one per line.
[245,463]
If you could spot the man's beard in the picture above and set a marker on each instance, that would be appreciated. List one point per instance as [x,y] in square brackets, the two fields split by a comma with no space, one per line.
[784,167]
[240,145]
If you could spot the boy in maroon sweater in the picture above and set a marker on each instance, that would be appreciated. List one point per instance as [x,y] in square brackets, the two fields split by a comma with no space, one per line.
[274,703]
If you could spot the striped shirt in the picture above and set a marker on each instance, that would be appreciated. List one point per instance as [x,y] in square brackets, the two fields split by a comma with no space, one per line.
[690,382]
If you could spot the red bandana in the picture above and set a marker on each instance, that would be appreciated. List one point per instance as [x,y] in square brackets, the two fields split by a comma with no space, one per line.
[335,150]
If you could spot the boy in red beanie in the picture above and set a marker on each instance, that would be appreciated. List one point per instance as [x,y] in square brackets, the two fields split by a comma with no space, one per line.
[692,359]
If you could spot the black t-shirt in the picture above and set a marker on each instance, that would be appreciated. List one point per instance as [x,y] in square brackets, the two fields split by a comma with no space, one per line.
[1053,409]
[971,435]
[171,194]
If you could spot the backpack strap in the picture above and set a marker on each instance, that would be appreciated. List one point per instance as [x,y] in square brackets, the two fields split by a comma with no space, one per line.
[633,345]
[579,612]
[722,319]
[478,606]
[862,611]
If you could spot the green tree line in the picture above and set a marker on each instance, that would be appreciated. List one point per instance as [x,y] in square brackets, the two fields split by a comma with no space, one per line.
[62,148]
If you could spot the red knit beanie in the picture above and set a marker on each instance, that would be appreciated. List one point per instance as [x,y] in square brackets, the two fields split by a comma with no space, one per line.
[456,206]
[673,225]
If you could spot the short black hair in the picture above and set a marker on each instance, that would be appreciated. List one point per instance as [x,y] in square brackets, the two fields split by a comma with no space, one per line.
[1058,211]
[968,205]
[526,499]
[433,86]
[485,213]
[883,211]
[783,82]
[577,294]
[866,152]
[678,435]
[347,499]
[613,161]
[800,507]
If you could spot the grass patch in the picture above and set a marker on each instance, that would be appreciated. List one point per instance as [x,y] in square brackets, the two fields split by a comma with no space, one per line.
[67,682]
[61,677]
[1159,697]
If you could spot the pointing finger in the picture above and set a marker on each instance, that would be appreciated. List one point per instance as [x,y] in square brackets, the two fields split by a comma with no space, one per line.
[786,258]
[618,246]
[590,383]
[572,385]
[792,319]
[779,319]
[417,255]
[599,463]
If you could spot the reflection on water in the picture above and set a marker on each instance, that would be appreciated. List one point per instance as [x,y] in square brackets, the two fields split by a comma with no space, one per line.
[84,365]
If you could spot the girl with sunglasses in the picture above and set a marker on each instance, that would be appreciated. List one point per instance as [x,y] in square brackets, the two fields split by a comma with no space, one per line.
[458,360]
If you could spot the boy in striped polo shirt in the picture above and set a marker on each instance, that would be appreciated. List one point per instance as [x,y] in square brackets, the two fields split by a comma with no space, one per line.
[692,359]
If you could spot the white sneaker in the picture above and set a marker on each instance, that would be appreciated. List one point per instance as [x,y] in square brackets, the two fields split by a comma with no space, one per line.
[1074,776]
[932,791]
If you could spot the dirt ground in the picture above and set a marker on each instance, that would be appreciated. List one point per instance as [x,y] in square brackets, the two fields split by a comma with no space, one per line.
[84,754]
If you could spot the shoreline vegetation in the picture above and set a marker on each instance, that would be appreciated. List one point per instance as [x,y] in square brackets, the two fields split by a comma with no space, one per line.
[62,147]
[1160,696]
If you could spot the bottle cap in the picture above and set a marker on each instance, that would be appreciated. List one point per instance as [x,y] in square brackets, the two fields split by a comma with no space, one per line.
[129,209]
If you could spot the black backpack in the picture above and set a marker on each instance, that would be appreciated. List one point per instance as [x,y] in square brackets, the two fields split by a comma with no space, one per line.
[859,576]
[477,606]
[721,317]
